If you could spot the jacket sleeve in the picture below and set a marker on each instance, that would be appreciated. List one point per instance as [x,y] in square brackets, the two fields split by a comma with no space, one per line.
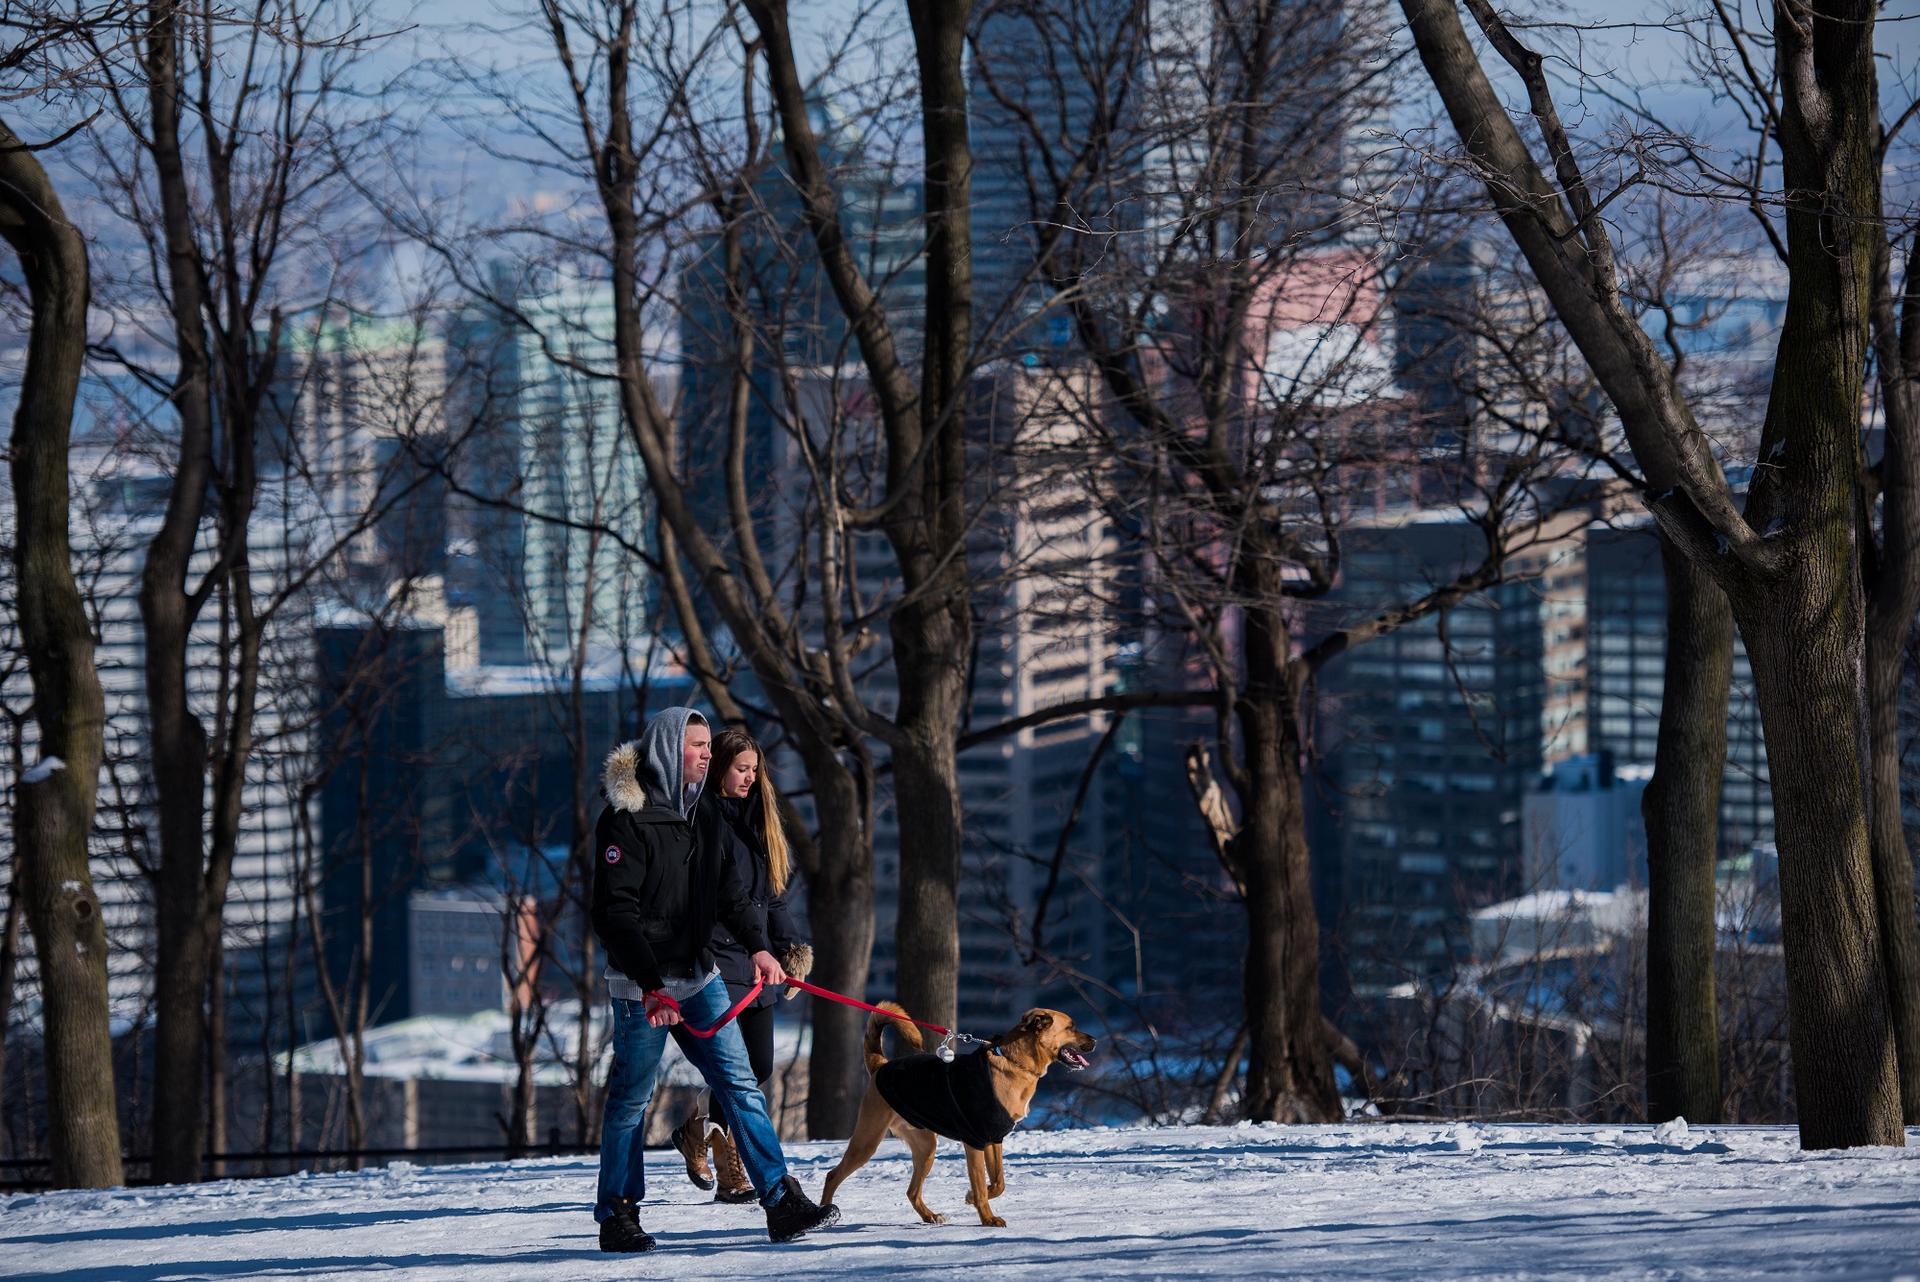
[782,929]
[737,910]
[619,872]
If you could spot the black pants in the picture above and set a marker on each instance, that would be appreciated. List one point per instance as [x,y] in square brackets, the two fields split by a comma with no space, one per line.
[756,1029]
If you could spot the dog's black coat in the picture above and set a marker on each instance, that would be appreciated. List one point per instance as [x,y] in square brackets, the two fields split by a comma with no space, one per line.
[955,1100]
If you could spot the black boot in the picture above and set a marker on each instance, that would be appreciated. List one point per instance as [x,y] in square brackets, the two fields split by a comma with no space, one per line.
[621,1232]
[795,1215]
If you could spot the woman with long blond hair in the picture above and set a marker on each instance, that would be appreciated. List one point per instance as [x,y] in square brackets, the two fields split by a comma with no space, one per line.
[740,811]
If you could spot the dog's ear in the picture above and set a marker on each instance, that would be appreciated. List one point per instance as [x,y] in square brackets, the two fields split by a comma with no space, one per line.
[1036,1022]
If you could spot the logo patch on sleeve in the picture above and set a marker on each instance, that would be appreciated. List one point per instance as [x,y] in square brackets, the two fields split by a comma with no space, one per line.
[613,854]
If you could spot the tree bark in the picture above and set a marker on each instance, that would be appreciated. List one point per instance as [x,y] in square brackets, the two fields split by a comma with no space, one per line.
[167,611]
[9,969]
[217,1054]
[1806,666]
[1290,1064]
[933,633]
[1682,811]
[927,802]
[839,879]
[1892,862]
[53,815]
[1805,629]
[1893,599]
[926,474]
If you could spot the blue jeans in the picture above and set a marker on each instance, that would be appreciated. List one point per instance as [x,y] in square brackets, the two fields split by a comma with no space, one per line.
[721,1059]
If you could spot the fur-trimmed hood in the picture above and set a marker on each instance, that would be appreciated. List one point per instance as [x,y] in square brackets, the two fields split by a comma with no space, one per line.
[620,778]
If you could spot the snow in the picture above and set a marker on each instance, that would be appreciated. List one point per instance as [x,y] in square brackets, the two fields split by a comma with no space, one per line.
[1672,1132]
[1395,1201]
[42,770]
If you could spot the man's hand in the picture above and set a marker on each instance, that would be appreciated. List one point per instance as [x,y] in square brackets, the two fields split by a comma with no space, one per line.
[767,970]
[659,1014]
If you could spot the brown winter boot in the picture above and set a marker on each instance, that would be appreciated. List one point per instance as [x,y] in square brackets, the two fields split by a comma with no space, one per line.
[735,1187]
[691,1139]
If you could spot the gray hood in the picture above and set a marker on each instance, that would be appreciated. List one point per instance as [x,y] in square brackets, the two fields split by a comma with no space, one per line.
[648,769]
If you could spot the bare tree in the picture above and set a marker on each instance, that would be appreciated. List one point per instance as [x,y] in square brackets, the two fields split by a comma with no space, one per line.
[232,181]
[1516,355]
[636,87]
[1788,564]
[54,800]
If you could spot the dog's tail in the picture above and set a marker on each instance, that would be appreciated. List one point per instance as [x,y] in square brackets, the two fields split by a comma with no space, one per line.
[878,1024]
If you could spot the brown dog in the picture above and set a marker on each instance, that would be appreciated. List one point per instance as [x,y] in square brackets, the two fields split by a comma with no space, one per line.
[1014,1065]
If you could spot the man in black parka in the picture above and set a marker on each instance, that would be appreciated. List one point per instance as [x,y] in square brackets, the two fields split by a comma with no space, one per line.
[657,892]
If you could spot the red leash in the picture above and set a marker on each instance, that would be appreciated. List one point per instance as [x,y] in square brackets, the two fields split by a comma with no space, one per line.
[845,1000]
[735,1009]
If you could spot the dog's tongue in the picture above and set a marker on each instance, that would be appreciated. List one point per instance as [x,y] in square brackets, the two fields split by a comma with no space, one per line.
[1074,1059]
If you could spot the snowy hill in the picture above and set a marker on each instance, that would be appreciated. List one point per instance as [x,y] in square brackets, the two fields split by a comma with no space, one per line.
[1390,1201]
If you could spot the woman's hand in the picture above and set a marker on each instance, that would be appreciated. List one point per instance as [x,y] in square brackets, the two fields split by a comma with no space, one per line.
[767,970]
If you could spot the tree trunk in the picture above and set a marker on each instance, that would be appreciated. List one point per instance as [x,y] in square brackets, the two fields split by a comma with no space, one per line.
[1805,627]
[932,631]
[1290,1064]
[1893,598]
[1806,664]
[177,738]
[840,914]
[217,1052]
[53,814]
[9,967]
[522,1125]
[926,792]
[229,793]
[1682,810]
[1892,863]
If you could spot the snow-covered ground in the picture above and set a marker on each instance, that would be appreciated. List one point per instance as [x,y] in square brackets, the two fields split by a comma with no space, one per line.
[1394,1201]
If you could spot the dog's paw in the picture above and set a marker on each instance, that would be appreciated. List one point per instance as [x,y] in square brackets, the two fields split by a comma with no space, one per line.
[993,1222]
[933,1217]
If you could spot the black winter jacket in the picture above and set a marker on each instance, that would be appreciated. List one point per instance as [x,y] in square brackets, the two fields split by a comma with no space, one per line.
[658,891]
[723,821]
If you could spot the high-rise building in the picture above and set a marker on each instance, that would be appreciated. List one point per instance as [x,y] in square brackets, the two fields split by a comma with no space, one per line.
[1044,559]
[1626,673]
[445,774]
[1432,736]
[1043,75]
[358,410]
[1581,829]
[553,497]
[118,504]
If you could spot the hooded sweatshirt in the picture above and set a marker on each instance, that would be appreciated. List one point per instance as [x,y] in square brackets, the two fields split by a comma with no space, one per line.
[657,888]
[663,762]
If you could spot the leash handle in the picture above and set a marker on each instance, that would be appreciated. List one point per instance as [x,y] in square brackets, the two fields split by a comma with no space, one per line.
[732,1011]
